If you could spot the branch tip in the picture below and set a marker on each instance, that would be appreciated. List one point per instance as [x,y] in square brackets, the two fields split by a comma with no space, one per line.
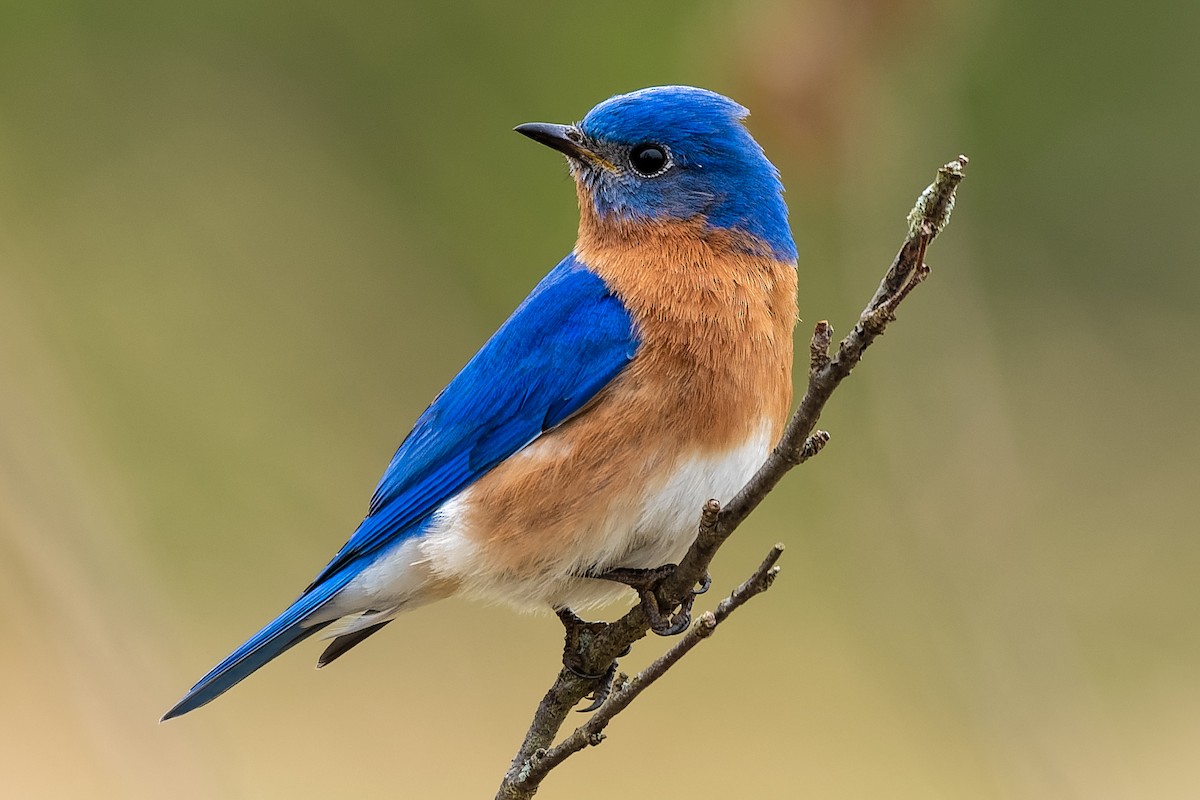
[932,211]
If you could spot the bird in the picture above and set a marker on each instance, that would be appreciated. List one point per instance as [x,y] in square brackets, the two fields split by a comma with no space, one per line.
[649,371]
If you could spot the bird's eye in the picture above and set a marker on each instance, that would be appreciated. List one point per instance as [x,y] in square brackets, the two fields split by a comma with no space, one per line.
[649,160]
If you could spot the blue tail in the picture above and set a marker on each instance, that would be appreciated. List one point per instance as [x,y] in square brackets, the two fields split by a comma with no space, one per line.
[284,631]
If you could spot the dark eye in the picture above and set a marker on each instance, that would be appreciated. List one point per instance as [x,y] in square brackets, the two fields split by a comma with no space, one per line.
[649,160]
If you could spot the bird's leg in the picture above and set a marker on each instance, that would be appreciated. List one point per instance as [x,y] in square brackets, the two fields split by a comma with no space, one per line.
[646,582]
[578,634]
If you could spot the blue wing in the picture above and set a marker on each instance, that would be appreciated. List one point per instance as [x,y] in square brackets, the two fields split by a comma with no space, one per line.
[569,338]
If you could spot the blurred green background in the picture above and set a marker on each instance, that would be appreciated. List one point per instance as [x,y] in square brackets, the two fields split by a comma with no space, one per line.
[242,244]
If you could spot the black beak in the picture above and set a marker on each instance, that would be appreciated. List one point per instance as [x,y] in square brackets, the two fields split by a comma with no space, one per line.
[564,138]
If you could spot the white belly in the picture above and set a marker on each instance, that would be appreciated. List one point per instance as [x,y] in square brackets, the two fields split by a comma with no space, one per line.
[653,525]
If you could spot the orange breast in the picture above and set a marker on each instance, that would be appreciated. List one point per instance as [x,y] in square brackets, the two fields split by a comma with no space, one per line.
[714,367]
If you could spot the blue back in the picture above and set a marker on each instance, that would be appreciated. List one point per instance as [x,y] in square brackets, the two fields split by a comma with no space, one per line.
[561,346]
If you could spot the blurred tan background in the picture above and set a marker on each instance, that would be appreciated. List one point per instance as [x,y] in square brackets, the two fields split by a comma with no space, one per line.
[243,244]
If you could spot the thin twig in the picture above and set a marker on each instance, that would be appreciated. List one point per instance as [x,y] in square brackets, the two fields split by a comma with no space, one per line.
[592,731]
[597,645]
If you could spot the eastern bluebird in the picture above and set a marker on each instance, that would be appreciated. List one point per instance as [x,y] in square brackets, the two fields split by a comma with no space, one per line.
[648,372]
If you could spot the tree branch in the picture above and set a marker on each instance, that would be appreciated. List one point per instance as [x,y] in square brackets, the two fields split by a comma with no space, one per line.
[593,647]
[592,731]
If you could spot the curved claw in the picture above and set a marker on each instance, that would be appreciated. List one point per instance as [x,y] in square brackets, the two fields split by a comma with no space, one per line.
[596,703]
[705,584]
[680,622]
[603,689]
[585,676]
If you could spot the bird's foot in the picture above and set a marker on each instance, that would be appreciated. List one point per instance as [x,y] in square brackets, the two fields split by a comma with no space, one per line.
[578,634]
[646,582]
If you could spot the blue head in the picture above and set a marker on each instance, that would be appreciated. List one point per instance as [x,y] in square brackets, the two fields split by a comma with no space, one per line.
[675,152]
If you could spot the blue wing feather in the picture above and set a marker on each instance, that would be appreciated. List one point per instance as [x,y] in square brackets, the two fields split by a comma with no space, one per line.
[561,346]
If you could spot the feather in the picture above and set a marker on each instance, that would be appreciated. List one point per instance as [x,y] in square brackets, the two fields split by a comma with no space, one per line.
[341,644]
